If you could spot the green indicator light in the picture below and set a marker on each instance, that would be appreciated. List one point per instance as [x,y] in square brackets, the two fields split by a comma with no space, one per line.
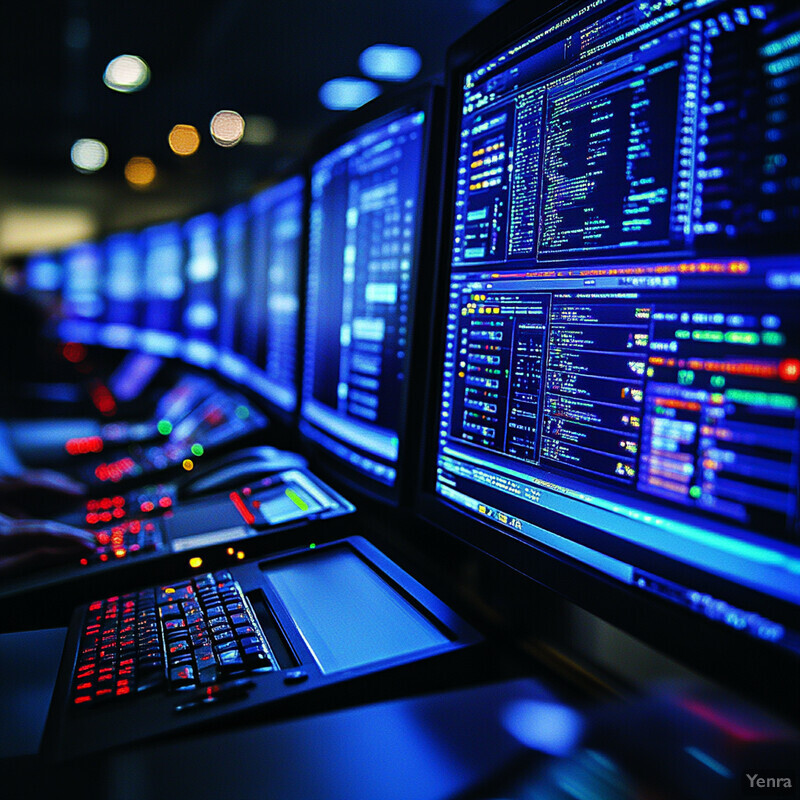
[785,402]
[311,546]
[741,337]
[695,492]
[682,334]
[717,381]
[243,412]
[685,377]
[708,336]
[164,427]
[296,499]
[773,338]
[197,449]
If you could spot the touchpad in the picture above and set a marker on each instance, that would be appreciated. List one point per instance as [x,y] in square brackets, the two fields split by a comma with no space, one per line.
[347,610]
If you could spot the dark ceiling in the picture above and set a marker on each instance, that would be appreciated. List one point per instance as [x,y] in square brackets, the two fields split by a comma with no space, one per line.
[255,56]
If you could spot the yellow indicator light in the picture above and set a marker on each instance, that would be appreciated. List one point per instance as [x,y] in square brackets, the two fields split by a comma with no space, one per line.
[169,590]
[188,464]
[297,500]
[230,551]
[240,555]
[196,562]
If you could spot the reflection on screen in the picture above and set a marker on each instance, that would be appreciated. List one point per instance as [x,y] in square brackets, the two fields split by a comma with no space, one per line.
[362,248]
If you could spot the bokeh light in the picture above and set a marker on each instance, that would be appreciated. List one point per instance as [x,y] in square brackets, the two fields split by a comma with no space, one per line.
[227,128]
[88,155]
[259,130]
[140,172]
[184,140]
[127,74]
[344,94]
[390,62]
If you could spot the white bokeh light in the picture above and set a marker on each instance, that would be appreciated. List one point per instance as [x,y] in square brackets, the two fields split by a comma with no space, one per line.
[88,155]
[127,74]
[227,128]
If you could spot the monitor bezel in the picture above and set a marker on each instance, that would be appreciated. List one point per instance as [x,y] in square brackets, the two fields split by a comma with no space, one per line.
[761,671]
[427,98]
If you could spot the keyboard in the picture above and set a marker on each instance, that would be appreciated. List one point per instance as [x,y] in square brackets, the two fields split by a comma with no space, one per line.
[175,638]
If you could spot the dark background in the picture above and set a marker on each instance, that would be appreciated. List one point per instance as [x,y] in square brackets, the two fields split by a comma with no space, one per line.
[259,57]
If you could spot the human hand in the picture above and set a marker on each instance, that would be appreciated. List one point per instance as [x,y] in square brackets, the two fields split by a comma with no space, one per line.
[47,479]
[27,545]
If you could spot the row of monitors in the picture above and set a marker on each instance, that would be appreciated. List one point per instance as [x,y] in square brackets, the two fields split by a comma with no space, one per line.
[227,290]
[610,380]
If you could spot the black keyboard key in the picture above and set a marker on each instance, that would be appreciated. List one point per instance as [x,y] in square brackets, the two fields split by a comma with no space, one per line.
[208,674]
[169,611]
[181,678]
[204,655]
[231,661]
[222,636]
[179,646]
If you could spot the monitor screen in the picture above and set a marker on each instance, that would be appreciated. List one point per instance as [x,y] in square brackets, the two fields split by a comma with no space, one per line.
[620,346]
[272,305]
[362,260]
[233,242]
[123,288]
[201,272]
[44,278]
[163,287]
[83,290]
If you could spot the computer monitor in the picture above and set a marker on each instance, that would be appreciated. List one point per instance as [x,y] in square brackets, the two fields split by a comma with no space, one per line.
[200,322]
[163,289]
[369,211]
[616,403]
[124,289]
[43,277]
[271,316]
[83,303]
[233,286]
